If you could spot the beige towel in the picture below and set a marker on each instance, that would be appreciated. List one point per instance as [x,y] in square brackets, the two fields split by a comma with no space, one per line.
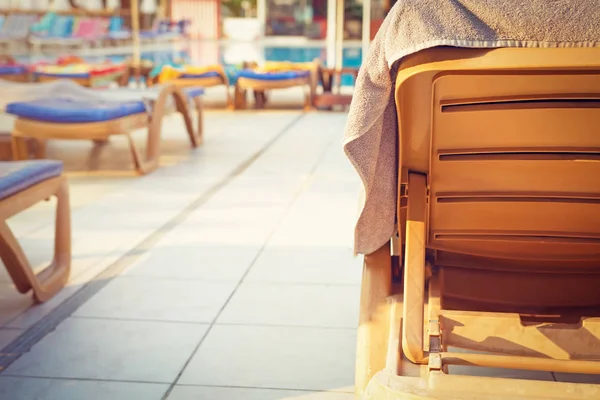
[412,25]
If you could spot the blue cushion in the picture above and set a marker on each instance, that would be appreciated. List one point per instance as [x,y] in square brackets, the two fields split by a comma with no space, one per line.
[12,69]
[16,176]
[194,92]
[210,74]
[65,76]
[66,111]
[115,24]
[272,76]
[149,34]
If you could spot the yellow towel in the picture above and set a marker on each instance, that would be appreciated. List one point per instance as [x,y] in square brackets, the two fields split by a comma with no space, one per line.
[168,73]
[64,69]
[280,66]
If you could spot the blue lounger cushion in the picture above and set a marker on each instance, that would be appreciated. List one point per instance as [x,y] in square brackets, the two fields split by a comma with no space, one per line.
[73,75]
[69,111]
[16,176]
[272,76]
[210,74]
[193,92]
[12,70]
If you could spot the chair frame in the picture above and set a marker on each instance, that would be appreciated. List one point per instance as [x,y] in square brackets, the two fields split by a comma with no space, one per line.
[211,81]
[24,77]
[260,86]
[53,278]
[101,131]
[91,81]
[405,334]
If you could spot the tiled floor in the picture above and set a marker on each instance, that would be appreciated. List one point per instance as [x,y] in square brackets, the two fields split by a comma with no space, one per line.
[236,277]
[221,304]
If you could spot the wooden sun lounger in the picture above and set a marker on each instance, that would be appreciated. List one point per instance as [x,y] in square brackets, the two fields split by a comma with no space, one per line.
[498,244]
[14,73]
[22,185]
[101,131]
[215,78]
[260,86]
[92,79]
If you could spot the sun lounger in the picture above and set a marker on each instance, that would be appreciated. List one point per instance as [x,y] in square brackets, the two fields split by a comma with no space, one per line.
[184,76]
[276,76]
[161,31]
[62,32]
[22,185]
[497,248]
[65,110]
[116,34]
[87,75]
[15,31]
[13,72]
[99,32]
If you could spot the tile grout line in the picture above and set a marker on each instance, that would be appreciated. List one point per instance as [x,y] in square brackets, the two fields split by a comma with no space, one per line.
[49,322]
[254,282]
[340,391]
[60,378]
[322,327]
[35,229]
[296,195]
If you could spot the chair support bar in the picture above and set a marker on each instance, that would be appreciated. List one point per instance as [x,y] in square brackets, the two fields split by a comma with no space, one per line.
[525,363]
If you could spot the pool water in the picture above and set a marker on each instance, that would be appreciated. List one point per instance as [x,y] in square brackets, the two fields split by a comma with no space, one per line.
[351,57]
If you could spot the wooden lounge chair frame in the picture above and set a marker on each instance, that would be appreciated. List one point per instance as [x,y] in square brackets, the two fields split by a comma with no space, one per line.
[332,95]
[259,86]
[211,81]
[412,315]
[24,77]
[101,131]
[90,81]
[53,278]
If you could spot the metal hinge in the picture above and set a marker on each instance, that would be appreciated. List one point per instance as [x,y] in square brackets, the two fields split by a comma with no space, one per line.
[435,345]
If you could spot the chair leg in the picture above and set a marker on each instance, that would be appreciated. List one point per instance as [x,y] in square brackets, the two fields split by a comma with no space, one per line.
[414,269]
[142,166]
[198,139]
[373,330]
[230,100]
[54,277]
[40,149]
[151,161]
[14,259]
[308,99]
[260,99]
[239,99]
[100,142]
[181,104]
[19,148]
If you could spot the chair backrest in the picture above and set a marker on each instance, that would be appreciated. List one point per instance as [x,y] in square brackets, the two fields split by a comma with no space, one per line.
[61,27]
[8,22]
[97,28]
[17,26]
[103,27]
[44,25]
[85,28]
[161,25]
[116,24]
[510,143]
[181,27]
